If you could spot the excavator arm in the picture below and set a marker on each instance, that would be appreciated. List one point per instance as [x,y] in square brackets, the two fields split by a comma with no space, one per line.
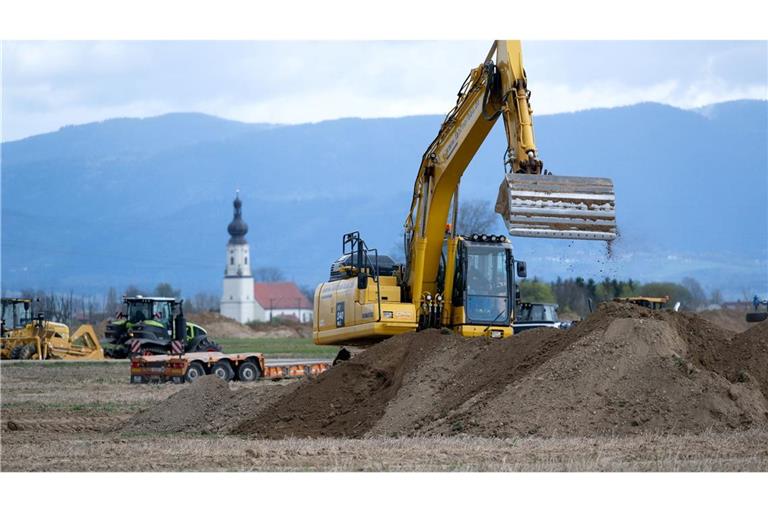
[531,200]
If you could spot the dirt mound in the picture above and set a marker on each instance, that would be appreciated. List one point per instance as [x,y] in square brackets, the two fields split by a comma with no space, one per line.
[221,327]
[730,319]
[625,369]
[208,405]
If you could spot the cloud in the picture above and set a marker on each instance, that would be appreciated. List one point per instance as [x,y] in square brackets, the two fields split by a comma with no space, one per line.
[50,84]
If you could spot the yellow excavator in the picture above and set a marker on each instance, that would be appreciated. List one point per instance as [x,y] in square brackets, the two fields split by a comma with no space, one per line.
[462,281]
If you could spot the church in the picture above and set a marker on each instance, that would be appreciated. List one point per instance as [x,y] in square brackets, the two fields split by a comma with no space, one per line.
[244,300]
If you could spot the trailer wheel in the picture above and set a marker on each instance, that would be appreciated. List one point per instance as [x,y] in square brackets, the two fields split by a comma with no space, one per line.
[194,371]
[223,370]
[248,372]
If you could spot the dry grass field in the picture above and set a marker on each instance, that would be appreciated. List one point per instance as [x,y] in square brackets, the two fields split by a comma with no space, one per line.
[63,416]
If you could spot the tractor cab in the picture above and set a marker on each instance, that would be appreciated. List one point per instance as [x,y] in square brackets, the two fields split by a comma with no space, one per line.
[150,324]
[16,313]
[157,312]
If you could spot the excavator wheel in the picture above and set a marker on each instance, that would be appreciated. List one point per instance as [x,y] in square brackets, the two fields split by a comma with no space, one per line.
[23,351]
[343,355]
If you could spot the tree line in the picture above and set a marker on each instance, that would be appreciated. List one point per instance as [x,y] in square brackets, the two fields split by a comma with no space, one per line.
[72,309]
[574,295]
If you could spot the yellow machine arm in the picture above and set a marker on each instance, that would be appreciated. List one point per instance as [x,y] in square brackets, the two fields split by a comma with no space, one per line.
[532,202]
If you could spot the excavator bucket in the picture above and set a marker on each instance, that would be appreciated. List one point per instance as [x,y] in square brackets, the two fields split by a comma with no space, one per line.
[546,206]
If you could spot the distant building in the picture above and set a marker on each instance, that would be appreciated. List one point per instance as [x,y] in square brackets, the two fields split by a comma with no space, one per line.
[282,300]
[237,301]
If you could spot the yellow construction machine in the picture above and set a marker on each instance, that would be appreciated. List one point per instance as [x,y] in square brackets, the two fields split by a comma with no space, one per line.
[27,337]
[654,303]
[462,281]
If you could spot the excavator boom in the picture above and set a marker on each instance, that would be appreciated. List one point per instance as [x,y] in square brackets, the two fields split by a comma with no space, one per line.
[532,201]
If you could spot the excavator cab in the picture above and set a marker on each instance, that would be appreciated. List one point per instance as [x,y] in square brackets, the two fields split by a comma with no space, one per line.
[483,295]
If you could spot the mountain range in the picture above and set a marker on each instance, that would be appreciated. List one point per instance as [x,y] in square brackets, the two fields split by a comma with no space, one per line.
[140,201]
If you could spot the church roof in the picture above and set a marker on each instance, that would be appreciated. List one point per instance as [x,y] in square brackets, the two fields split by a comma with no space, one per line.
[281,295]
[237,228]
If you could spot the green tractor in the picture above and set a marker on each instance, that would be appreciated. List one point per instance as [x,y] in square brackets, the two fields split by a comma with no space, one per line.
[154,325]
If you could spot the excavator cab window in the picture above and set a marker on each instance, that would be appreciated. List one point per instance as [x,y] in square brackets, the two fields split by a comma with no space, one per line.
[488,284]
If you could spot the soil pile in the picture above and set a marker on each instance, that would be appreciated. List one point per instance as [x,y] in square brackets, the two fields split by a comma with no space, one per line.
[221,327]
[208,405]
[624,370]
[730,319]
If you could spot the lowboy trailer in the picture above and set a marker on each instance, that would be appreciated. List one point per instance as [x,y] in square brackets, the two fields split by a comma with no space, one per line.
[245,367]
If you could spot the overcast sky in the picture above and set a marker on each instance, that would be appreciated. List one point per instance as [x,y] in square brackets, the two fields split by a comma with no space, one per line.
[46,85]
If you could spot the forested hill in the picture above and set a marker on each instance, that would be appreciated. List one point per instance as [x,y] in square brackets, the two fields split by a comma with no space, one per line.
[148,200]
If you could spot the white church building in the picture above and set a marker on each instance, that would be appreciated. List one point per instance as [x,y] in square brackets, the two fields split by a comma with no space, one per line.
[246,301]
[237,301]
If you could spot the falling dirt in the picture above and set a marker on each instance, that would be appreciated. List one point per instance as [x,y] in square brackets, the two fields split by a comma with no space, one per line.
[624,370]
[609,246]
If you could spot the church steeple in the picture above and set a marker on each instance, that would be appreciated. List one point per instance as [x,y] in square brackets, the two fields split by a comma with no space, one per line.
[237,300]
[237,228]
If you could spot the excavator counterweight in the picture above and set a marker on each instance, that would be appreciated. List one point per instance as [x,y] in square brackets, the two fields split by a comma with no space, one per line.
[547,206]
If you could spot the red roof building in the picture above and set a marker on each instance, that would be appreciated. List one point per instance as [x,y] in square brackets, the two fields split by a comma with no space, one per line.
[283,299]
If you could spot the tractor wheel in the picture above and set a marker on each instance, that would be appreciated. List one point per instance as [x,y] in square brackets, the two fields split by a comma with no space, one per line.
[204,344]
[248,372]
[756,317]
[23,351]
[223,370]
[194,371]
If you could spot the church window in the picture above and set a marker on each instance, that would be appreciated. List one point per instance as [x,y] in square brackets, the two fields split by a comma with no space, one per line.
[231,261]
[246,260]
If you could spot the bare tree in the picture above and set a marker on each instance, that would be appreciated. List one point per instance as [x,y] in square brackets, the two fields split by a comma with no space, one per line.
[268,274]
[698,296]
[111,304]
[205,302]
[166,290]
[309,292]
[476,216]
[132,291]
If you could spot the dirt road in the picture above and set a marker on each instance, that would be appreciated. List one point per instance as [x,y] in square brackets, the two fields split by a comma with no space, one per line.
[64,417]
